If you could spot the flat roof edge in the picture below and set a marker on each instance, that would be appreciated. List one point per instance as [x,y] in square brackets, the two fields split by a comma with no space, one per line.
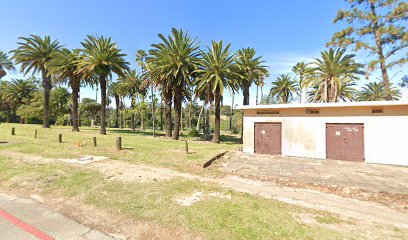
[324,105]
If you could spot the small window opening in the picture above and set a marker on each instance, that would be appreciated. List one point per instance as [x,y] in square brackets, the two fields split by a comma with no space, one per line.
[273,112]
[312,111]
[377,110]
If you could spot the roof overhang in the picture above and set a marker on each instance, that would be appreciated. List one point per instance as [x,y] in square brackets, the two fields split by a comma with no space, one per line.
[324,105]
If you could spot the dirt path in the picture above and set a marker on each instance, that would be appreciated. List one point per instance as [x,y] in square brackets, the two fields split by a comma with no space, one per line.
[347,207]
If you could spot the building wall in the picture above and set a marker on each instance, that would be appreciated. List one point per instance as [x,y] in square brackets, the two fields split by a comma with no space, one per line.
[304,135]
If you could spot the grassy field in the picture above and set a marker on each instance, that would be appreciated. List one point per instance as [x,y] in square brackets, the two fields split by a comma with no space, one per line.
[139,147]
[242,217]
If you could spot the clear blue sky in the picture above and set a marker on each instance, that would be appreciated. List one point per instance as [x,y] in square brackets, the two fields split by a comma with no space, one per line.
[283,32]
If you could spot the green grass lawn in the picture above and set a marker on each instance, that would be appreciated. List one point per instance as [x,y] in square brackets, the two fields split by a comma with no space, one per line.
[140,147]
[243,216]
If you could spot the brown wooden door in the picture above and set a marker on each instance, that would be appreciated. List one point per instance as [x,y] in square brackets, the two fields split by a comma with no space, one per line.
[345,141]
[268,138]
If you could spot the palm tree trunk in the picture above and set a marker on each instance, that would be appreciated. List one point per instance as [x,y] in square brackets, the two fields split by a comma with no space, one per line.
[117,111]
[178,108]
[199,118]
[232,112]
[167,100]
[102,80]
[217,123]
[132,106]
[153,112]
[257,87]
[75,96]
[207,121]
[161,114]
[245,91]
[261,94]
[47,91]
[189,115]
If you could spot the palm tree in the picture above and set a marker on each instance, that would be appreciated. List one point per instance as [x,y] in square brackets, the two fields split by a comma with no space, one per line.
[33,53]
[217,72]
[19,92]
[131,86]
[252,70]
[102,58]
[283,88]
[375,91]
[302,70]
[404,81]
[172,64]
[346,92]
[330,71]
[64,69]
[113,91]
[5,64]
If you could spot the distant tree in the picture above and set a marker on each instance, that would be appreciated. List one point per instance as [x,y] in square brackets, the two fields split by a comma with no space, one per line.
[283,88]
[302,70]
[379,27]
[90,108]
[113,91]
[172,63]
[218,71]
[102,58]
[60,104]
[5,64]
[33,53]
[333,70]
[64,68]
[404,81]
[18,93]
[375,91]
[252,70]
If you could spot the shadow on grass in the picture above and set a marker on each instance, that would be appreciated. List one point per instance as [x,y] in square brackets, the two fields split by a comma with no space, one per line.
[135,132]
[226,139]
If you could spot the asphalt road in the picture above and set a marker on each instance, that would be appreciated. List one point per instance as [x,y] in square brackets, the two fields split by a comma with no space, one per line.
[27,219]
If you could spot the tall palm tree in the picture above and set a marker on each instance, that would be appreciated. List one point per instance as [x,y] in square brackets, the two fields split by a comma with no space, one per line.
[173,62]
[302,70]
[283,88]
[252,70]
[102,58]
[18,93]
[375,91]
[131,86]
[346,92]
[5,64]
[113,91]
[64,68]
[218,71]
[333,68]
[33,53]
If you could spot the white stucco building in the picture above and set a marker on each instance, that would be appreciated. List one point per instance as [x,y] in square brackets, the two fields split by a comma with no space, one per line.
[374,132]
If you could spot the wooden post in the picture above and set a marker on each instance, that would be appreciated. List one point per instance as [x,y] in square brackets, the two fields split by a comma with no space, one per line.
[94,141]
[118,143]
[186,147]
[35,133]
[60,138]
[13,131]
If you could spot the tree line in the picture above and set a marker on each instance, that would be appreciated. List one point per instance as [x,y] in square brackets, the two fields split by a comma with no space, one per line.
[179,70]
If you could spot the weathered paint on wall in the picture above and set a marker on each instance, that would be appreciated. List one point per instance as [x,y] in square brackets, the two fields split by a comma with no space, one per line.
[304,135]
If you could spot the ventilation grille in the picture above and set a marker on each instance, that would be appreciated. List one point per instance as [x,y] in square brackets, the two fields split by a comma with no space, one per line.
[377,110]
[312,111]
[273,112]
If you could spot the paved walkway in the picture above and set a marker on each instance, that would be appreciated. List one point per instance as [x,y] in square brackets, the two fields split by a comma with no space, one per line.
[371,177]
[26,219]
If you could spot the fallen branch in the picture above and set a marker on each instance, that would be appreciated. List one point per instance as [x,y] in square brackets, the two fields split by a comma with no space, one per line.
[209,162]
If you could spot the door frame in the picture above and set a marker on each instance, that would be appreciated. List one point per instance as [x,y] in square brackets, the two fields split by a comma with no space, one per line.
[280,123]
[337,124]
